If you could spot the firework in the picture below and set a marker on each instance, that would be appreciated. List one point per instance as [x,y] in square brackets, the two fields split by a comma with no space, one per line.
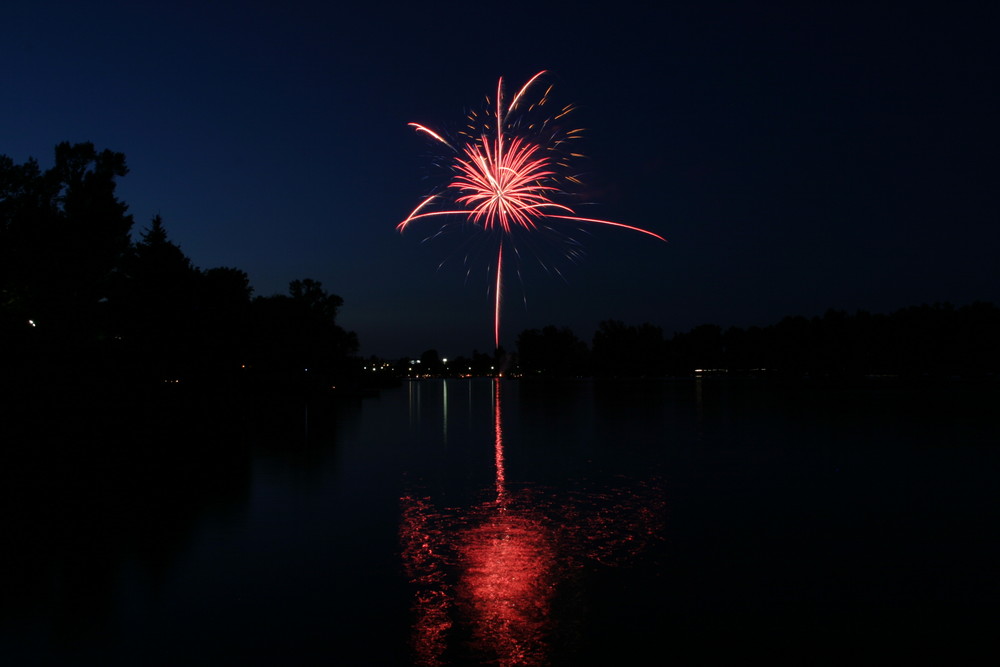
[508,173]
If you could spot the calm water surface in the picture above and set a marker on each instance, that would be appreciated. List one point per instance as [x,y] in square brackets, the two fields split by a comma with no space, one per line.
[515,523]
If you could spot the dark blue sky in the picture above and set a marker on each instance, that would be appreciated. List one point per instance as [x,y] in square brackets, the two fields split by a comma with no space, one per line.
[797,158]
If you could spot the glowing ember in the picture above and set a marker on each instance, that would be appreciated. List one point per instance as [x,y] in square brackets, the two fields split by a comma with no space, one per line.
[507,174]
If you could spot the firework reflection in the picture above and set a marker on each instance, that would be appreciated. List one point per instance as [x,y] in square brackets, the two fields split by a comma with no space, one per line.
[485,577]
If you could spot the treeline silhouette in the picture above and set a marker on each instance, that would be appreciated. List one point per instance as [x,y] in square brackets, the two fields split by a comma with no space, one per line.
[134,386]
[87,311]
[85,308]
[938,340]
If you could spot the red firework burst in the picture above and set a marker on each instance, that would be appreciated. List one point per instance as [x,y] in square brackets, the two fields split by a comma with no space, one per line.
[507,178]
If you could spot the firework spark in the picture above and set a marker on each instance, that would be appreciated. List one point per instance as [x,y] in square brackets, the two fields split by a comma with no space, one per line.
[507,175]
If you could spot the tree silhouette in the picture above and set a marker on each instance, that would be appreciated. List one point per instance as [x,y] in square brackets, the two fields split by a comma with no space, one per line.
[64,235]
[25,208]
[221,319]
[295,340]
[628,351]
[310,293]
[154,306]
[430,362]
[553,352]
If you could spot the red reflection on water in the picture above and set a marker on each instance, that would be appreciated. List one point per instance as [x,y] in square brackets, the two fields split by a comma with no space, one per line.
[497,575]
[507,580]
[498,442]
[422,558]
[491,571]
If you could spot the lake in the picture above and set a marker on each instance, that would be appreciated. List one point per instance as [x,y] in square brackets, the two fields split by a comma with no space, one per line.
[513,522]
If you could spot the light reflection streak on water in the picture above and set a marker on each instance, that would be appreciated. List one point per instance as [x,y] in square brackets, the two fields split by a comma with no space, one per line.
[498,443]
[490,571]
[413,391]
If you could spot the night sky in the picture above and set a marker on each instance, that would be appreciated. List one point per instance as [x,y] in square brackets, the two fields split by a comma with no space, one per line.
[798,158]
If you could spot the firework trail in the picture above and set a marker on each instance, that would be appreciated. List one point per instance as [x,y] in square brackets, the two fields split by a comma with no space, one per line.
[507,174]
